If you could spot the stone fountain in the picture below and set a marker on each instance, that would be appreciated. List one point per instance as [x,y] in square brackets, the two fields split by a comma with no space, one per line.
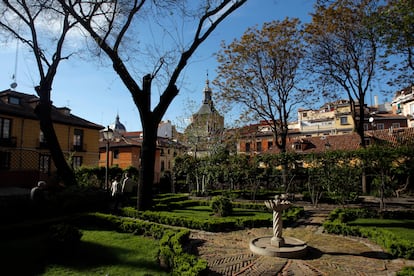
[277,245]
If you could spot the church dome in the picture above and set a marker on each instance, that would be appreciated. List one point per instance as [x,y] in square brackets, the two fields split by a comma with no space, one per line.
[118,126]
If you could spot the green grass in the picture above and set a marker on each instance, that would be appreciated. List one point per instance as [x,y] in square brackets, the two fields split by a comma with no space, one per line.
[400,227]
[100,253]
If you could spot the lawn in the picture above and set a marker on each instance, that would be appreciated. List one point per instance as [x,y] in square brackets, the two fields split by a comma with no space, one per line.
[403,228]
[100,253]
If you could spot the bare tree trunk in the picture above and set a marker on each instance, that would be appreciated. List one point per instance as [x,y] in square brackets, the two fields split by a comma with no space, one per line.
[382,188]
[43,112]
[144,197]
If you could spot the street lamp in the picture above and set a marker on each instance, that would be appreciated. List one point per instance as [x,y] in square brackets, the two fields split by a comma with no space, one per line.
[108,135]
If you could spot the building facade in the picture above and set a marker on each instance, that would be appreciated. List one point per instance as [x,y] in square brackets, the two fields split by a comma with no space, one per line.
[330,119]
[124,150]
[403,104]
[24,154]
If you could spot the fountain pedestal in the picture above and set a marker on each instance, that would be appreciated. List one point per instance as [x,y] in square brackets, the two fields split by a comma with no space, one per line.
[276,245]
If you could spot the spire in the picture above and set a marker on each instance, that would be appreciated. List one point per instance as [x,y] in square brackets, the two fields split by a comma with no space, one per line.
[207,93]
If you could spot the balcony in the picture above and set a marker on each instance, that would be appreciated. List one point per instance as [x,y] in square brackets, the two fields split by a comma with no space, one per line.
[8,142]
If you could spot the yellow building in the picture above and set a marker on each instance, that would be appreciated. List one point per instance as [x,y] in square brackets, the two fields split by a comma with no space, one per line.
[24,153]
[330,119]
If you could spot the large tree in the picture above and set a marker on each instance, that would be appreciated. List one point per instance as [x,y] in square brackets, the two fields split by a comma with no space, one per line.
[123,31]
[261,72]
[33,23]
[396,26]
[344,51]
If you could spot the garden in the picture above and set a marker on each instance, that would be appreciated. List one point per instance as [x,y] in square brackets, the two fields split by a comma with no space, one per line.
[77,232]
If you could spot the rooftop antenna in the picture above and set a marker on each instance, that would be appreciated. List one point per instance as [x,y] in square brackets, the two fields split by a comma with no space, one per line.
[13,85]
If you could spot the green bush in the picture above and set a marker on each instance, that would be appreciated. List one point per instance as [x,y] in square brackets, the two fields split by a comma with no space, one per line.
[221,206]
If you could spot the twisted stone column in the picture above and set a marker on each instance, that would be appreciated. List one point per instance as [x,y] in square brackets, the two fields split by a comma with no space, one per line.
[277,205]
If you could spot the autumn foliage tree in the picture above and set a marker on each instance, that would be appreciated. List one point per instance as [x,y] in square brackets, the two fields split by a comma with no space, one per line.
[122,33]
[395,25]
[344,52]
[260,73]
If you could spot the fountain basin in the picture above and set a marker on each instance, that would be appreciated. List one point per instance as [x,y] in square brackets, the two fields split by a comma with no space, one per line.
[292,248]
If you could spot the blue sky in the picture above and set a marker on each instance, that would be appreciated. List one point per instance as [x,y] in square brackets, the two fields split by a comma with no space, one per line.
[94,92]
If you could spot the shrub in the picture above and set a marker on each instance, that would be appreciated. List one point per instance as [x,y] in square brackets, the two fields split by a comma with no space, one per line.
[221,206]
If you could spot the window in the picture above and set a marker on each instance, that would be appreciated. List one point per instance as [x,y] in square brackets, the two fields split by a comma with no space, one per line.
[380,126]
[365,127]
[5,133]
[269,144]
[44,163]
[297,146]
[77,162]
[41,137]
[14,100]
[42,140]
[304,114]
[116,154]
[258,146]
[4,160]
[162,165]
[5,128]
[344,120]
[367,141]
[247,147]
[78,139]
[395,125]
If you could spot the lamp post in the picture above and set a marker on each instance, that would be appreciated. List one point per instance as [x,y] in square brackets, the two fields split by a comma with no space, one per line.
[108,134]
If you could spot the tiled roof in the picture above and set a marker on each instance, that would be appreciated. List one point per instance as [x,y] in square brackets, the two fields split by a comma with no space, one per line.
[27,105]
[395,136]
[347,141]
[322,143]
[121,143]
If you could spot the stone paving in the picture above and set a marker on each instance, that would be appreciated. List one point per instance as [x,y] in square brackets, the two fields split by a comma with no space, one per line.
[229,254]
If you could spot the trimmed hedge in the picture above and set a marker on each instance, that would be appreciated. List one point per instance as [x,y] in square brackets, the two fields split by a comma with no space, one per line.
[172,256]
[217,225]
[171,253]
[397,247]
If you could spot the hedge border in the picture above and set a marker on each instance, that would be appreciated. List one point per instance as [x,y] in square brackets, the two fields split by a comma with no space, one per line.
[171,253]
[397,247]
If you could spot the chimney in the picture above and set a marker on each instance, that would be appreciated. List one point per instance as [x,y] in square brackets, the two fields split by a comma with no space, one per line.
[376,101]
